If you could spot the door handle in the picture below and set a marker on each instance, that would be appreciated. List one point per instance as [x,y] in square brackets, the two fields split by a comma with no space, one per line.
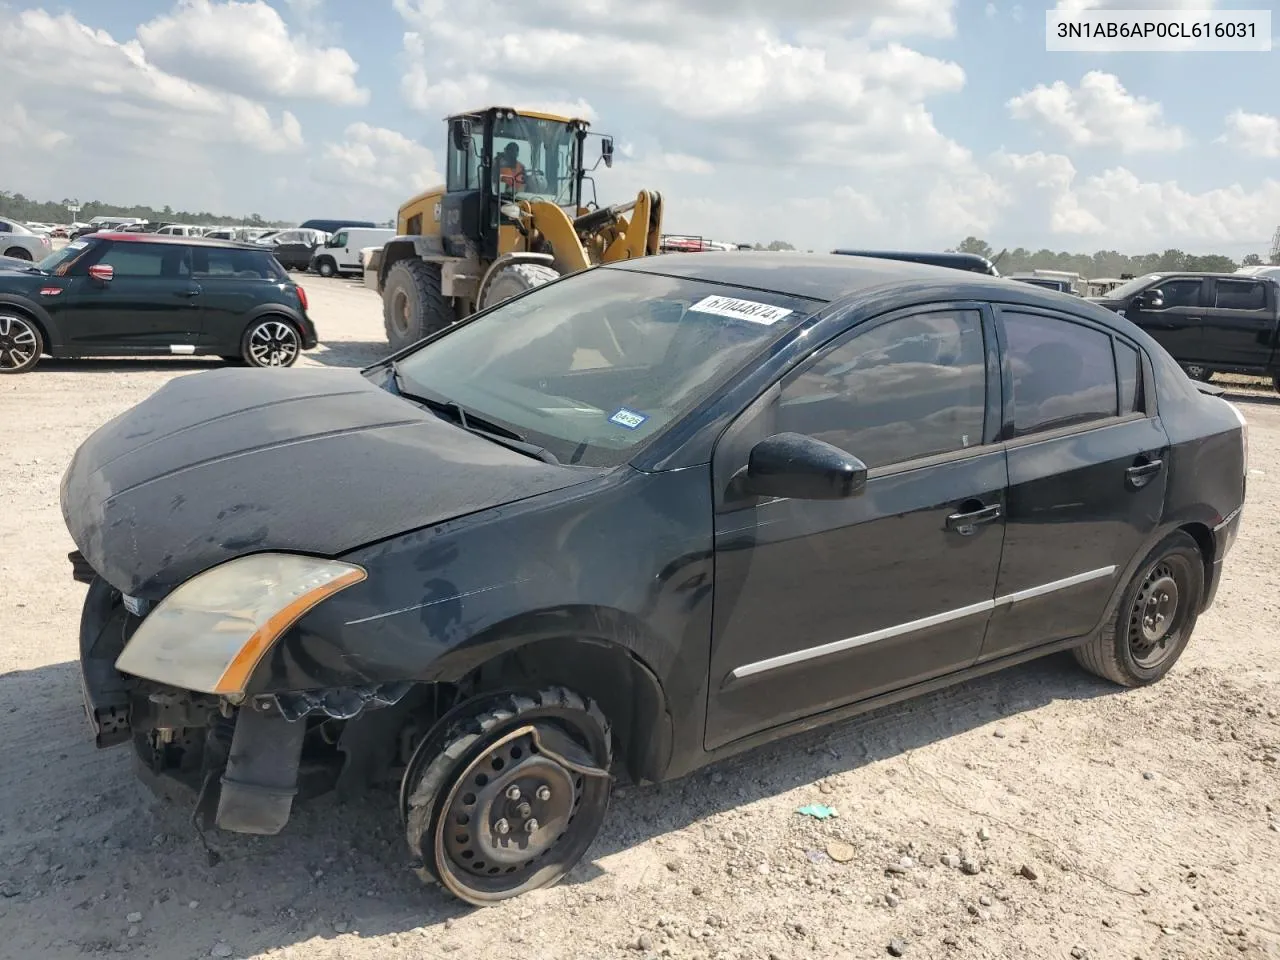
[193,292]
[1140,474]
[966,523]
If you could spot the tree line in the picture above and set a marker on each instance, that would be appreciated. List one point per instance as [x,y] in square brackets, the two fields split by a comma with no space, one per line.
[15,206]
[1104,263]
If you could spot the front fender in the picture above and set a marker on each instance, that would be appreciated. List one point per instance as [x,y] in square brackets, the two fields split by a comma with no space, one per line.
[53,334]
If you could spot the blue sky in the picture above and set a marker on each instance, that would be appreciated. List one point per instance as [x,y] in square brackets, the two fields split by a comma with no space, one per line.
[867,122]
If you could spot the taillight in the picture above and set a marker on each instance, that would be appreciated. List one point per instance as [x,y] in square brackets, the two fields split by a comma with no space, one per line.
[302,297]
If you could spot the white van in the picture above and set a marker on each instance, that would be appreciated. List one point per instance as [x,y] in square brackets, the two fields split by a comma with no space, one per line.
[341,252]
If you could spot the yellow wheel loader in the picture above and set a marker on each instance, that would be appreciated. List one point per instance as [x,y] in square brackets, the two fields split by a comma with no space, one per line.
[511,216]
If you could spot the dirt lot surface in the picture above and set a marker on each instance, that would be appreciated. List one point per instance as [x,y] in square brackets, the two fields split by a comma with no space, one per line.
[1038,813]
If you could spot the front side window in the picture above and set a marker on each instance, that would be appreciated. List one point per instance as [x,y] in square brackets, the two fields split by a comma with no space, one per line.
[1240,295]
[340,240]
[143,259]
[593,365]
[911,387]
[1180,293]
[1064,374]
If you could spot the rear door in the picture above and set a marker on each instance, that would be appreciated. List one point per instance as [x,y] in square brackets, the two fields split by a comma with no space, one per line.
[150,304]
[1240,326]
[232,283]
[1087,472]
[1178,325]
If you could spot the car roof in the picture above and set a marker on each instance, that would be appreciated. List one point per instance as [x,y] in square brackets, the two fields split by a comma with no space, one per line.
[174,240]
[869,283]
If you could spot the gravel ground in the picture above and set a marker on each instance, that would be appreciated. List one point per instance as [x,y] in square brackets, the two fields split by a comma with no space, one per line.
[1037,813]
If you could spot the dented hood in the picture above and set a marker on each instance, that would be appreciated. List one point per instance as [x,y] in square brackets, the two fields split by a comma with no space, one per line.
[235,461]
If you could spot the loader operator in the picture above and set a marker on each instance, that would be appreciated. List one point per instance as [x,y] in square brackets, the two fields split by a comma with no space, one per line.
[511,170]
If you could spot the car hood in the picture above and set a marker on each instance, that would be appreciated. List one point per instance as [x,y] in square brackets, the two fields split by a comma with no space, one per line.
[229,462]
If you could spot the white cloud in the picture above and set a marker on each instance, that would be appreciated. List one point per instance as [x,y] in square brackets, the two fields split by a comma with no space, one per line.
[18,130]
[1134,214]
[246,47]
[1254,134]
[1099,112]
[378,169]
[990,10]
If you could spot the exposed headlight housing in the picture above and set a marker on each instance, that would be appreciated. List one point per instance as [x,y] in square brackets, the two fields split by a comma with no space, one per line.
[210,633]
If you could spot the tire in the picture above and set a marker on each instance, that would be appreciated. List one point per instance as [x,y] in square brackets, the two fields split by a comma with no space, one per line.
[1198,372]
[1126,650]
[21,342]
[516,278]
[474,837]
[326,267]
[412,305]
[19,253]
[271,341]
[1275,382]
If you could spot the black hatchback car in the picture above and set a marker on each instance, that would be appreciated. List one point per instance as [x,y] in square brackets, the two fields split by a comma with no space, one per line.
[649,514]
[128,294]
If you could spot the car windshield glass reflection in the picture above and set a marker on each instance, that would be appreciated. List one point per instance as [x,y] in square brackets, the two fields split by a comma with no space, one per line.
[590,367]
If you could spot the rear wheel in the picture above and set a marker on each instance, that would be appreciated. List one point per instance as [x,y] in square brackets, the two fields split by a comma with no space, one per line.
[19,253]
[20,343]
[516,278]
[271,342]
[507,793]
[1155,617]
[1198,372]
[413,306]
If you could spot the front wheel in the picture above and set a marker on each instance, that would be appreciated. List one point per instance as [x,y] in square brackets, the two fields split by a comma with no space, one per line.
[326,267]
[507,793]
[20,343]
[1155,617]
[271,342]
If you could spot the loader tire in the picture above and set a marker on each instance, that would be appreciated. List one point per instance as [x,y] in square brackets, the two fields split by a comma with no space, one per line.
[515,279]
[412,305]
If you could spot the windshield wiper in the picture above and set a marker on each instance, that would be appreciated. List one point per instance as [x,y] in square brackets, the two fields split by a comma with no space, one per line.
[474,424]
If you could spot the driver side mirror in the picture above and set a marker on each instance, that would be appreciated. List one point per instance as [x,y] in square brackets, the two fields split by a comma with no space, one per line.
[462,134]
[606,151]
[800,467]
[102,272]
[1151,300]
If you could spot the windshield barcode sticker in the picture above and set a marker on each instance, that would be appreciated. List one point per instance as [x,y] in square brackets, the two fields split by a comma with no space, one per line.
[628,418]
[764,313]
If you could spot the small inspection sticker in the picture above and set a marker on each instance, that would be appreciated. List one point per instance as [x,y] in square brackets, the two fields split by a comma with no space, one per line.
[628,418]
[763,313]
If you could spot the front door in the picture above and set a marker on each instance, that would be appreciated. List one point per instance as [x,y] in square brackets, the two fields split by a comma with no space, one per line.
[1087,471]
[151,303]
[1177,325]
[1240,326]
[822,603]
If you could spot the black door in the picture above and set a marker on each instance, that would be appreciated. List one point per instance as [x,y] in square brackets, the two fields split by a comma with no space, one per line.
[1239,327]
[1086,476]
[151,304]
[821,603]
[1177,325]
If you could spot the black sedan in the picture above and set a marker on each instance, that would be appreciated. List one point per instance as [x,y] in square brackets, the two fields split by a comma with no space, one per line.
[650,515]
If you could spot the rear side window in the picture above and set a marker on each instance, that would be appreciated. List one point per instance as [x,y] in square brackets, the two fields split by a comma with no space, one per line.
[1240,295]
[1064,373]
[215,262]
[1129,370]
[912,387]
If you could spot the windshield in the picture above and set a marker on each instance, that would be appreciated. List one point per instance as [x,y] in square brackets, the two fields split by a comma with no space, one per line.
[595,365]
[1130,287]
[535,159]
[58,261]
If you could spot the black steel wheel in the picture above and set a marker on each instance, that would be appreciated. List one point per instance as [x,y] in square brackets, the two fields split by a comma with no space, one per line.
[1155,617]
[1198,371]
[507,793]
[20,343]
[271,342]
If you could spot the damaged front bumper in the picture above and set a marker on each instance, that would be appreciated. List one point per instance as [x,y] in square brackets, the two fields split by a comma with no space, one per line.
[244,763]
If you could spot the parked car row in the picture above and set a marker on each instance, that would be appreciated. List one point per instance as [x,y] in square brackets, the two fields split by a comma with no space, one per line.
[19,242]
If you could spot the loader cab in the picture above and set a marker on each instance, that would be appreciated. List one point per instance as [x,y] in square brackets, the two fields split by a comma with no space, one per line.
[479,178]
